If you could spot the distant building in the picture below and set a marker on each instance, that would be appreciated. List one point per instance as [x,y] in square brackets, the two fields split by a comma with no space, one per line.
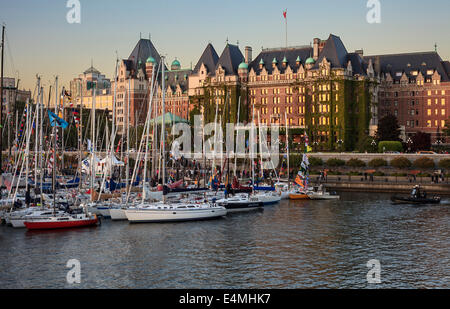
[11,94]
[81,92]
[219,82]
[414,87]
[323,89]
[134,81]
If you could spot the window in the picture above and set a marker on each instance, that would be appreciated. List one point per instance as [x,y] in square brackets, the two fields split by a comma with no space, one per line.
[429,112]
[442,112]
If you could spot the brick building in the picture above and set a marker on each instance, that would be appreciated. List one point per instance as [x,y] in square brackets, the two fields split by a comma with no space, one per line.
[414,87]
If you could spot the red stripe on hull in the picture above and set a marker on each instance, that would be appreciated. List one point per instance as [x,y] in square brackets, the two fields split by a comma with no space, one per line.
[59,225]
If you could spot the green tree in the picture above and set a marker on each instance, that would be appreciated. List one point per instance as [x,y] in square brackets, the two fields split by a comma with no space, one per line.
[388,129]
[401,163]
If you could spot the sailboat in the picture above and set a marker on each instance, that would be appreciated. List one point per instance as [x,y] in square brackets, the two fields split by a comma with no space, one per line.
[301,182]
[254,200]
[166,211]
[57,219]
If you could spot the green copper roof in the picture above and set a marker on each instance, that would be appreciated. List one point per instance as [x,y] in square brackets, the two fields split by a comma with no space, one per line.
[151,60]
[310,61]
[285,60]
[176,63]
[262,61]
[274,60]
[243,65]
[298,59]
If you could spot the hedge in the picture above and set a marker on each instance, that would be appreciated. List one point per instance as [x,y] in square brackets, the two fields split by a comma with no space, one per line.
[424,163]
[313,161]
[390,146]
[356,163]
[335,162]
[401,162]
[378,163]
[444,163]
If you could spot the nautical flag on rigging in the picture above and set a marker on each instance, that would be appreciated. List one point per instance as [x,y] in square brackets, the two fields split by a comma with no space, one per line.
[56,121]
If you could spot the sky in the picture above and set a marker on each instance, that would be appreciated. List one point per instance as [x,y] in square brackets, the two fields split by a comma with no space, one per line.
[39,40]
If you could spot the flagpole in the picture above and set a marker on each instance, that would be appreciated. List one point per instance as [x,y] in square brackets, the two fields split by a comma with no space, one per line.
[285,19]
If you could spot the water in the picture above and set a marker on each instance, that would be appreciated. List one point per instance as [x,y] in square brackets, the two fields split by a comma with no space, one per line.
[302,244]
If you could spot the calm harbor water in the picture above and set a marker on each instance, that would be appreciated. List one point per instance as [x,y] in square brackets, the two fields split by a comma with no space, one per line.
[303,244]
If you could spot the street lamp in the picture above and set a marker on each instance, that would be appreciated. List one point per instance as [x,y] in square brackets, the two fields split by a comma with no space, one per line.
[315,145]
[374,145]
[340,142]
[409,142]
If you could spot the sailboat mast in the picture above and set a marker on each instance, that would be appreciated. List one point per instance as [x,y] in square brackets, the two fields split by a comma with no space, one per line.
[93,163]
[27,151]
[127,171]
[1,101]
[81,135]
[163,125]
[287,150]
[235,153]
[41,139]
[36,133]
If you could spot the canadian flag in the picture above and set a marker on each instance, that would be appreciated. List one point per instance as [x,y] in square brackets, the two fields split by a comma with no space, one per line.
[285,14]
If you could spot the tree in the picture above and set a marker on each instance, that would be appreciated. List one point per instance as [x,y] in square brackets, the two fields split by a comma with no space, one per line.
[447,128]
[421,141]
[388,129]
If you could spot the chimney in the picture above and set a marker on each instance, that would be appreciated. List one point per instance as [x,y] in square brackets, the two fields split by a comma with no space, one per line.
[248,54]
[316,49]
[359,52]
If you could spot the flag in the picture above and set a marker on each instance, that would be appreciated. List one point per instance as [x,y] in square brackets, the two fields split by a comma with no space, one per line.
[285,14]
[56,121]
[299,182]
[89,147]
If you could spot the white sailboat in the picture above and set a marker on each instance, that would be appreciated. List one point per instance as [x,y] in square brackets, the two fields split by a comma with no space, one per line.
[171,211]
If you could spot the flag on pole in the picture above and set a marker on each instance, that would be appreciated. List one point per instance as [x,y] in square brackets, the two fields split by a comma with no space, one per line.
[56,121]
[285,14]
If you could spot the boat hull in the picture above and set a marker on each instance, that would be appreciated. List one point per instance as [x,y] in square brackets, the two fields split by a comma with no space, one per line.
[53,225]
[161,216]
[298,197]
[118,214]
[419,201]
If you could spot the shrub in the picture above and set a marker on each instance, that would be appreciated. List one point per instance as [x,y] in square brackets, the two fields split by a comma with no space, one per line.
[354,174]
[444,163]
[356,163]
[399,174]
[401,162]
[390,146]
[424,162]
[313,161]
[335,162]
[379,174]
[378,163]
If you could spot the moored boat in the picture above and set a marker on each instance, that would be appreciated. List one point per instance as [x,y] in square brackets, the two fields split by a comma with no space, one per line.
[62,222]
[162,212]
[415,200]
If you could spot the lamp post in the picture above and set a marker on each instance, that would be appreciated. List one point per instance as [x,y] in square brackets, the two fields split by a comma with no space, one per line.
[340,142]
[374,145]
[409,142]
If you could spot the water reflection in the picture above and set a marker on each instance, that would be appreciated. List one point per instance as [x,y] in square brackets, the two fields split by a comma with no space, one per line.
[302,244]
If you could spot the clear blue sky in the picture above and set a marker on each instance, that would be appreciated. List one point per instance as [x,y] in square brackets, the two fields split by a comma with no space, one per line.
[41,41]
